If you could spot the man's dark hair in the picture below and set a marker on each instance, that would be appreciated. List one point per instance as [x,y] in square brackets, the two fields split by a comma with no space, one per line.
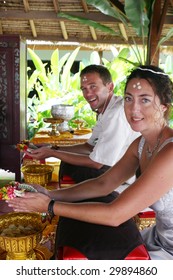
[103,72]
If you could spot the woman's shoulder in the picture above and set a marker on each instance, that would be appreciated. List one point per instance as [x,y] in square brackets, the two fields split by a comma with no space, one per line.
[167,141]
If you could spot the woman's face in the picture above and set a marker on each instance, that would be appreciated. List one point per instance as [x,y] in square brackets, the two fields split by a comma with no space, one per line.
[142,106]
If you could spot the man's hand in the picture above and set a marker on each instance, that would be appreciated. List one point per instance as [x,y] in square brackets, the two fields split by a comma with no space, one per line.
[40,153]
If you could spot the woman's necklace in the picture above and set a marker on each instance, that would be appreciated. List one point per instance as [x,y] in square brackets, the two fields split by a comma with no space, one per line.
[150,153]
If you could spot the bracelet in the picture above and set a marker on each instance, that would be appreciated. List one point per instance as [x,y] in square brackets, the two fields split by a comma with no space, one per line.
[50,208]
[55,147]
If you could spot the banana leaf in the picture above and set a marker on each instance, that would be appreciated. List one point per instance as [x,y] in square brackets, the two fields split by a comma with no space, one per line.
[63,60]
[137,14]
[87,22]
[164,39]
[39,65]
[65,77]
[168,65]
[54,60]
[106,8]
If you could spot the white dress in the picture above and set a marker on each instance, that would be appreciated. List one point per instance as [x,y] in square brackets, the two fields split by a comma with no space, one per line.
[159,238]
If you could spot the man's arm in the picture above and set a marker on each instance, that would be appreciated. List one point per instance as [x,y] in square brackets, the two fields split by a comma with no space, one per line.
[84,148]
[68,157]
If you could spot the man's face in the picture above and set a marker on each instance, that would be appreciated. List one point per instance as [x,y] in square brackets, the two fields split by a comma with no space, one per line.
[94,91]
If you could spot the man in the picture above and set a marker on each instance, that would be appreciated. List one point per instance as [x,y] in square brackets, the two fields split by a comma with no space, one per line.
[110,137]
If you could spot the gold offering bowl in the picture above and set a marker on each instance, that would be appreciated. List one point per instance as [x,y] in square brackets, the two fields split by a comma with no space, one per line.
[37,173]
[15,238]
[54,123]
[79,123]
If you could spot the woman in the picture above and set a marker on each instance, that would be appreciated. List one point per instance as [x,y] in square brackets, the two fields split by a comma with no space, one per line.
[148,98]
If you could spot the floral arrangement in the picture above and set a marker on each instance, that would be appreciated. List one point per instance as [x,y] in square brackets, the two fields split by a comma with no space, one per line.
[13,189]
[22,146]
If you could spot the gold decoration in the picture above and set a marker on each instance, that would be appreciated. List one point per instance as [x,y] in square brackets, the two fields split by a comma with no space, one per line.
[21,247]
[143,223]
[37,173]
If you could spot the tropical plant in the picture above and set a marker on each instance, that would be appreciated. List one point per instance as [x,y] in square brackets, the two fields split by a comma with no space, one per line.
[138,13]
[56,86]
[59,85]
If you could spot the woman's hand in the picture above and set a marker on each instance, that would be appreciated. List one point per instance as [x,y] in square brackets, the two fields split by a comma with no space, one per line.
[30,202]
[40,189]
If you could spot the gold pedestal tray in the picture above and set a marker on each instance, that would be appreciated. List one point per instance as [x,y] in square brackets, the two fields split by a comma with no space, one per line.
[41,252]
[54,123]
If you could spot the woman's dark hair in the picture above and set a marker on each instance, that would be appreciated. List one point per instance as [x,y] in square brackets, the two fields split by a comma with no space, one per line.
[159,81]
[101,70]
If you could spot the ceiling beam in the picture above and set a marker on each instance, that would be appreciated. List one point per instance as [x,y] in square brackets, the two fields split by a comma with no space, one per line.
[56,5]
[62,23]
[31,22]
[63,29]
[116,40]
[123,31]
[84,5]
[86,10]
[26,5]
[98,17]
[16,14]
[93,33]
[33,29]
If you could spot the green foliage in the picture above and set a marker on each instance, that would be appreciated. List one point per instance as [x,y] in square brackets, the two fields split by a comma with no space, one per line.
[137,13]
[59,85]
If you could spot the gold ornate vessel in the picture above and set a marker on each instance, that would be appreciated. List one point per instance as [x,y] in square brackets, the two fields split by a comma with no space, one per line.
[37,173]
[21,247]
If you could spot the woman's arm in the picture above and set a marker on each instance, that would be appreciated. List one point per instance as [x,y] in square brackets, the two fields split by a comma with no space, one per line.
[92,188]
[155,181]
[84,148]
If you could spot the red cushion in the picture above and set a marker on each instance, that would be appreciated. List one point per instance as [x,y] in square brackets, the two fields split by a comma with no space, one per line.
[147,214]
[67,180]
[139,253]
[70,253]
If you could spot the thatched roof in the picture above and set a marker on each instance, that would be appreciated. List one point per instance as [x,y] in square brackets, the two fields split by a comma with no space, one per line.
[38,20]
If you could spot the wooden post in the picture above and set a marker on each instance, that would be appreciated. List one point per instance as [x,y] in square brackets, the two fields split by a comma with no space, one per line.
[12,101]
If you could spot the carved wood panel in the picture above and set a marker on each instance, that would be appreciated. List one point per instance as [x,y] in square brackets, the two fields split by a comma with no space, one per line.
[12,102]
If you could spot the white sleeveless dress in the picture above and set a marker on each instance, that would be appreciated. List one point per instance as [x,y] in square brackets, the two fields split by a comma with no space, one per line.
[159,238]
